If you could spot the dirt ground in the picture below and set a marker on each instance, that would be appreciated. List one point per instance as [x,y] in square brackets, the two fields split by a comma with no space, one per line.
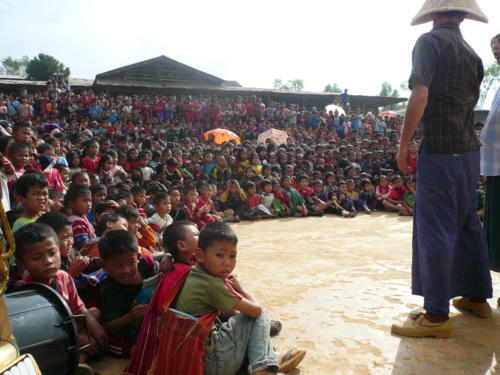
[337,285]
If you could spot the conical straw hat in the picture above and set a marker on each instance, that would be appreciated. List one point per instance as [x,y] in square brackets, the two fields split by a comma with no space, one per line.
[435,6]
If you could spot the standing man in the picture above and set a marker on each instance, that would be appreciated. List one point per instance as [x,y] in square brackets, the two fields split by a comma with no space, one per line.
[450,256]
[490,167]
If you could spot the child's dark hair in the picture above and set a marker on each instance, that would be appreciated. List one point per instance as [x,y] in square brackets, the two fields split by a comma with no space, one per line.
[30,234]
[248,185]
[74,192]
[20,124]
[396,177]
[174,233]
[364,182]
[216,232]
[158,197]
[137,190]
[317,182]
[349,180]
[78,174]
[265,183]
[118,242]
[16,146]
[29,179]
[55,193]
[103,222]
[171,162]
[55,220]
[102,206]
[94,188]
[187,188]
[128,212]
[103,160]
[341,183]
[302,177]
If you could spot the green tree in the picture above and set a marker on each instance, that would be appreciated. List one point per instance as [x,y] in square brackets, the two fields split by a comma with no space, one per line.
[42,66]
[291,85]
[491,77]
[15,67]
[334,88]
[388,91]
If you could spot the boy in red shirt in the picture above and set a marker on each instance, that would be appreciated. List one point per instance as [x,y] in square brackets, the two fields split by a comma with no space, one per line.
[37,251]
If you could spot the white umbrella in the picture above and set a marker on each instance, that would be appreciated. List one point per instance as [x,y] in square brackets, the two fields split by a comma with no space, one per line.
[277,136]
[333,108]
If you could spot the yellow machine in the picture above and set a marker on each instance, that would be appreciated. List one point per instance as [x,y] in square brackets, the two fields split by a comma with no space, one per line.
[10,361]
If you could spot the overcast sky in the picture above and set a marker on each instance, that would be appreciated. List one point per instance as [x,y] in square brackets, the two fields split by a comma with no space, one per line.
[355,43]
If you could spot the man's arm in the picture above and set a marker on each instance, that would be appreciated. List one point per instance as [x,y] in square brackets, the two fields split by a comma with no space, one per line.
[414,113]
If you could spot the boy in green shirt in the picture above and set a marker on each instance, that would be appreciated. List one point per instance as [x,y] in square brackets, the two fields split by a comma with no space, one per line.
[210,286]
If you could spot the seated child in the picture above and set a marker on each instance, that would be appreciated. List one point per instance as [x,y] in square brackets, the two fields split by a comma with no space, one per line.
[123,298]
[359,204]
[99,193]
[79,200]
[106,224]
[252,212]
[161,219]
[267,197]
[206,204]
[280,204]
[293,199]
[314,207]
[32,191]
[37,252]
[80,178]
[342,202]
[71,261]
[382,192]
[177,212]
[136,225]
[367,193]
[233,201]
[210,290]
[139,196]
[200,216]
[395,201]
[409,196]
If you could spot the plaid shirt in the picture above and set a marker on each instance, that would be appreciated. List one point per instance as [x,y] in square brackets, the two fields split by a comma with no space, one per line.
[490,138]
[449,67]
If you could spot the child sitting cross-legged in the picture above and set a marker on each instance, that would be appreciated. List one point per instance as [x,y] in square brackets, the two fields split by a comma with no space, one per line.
[211,294]
[37,253]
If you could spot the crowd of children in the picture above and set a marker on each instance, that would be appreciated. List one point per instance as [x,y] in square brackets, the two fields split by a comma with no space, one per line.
[115,200]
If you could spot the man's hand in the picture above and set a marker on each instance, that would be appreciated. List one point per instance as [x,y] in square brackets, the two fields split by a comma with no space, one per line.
[403,158]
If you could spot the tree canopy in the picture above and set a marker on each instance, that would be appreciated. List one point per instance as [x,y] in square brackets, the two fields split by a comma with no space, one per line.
[15,67]
[40,67]
[334,88]
[293,85]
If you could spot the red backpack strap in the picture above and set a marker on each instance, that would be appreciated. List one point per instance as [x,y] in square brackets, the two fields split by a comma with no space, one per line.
[147,342]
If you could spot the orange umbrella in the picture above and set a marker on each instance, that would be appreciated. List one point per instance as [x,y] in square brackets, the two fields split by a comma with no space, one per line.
[221,136]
